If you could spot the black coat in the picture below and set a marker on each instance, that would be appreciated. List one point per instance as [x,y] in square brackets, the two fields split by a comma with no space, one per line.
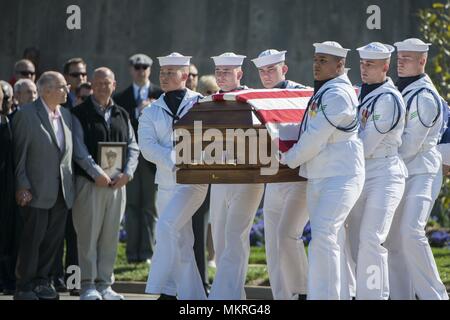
[7,192]
[126,100]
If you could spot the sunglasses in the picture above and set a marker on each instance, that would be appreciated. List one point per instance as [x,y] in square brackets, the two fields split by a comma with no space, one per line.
[83,98]
[140,67]
[78,74]
[27,73]
[193,75]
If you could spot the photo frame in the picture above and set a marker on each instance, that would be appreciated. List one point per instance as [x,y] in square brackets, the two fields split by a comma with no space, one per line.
[111,157]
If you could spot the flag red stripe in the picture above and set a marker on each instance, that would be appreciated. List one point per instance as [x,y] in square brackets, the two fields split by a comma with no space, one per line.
[273,95]
[285,145]
[281,116]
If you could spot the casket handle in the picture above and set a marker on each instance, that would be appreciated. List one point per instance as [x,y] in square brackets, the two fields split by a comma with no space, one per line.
[214,177]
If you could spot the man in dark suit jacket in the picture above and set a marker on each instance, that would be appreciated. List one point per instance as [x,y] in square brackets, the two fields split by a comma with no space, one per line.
[42,138]
[140,211]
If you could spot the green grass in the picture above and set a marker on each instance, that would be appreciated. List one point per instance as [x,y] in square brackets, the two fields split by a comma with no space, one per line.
[257,271]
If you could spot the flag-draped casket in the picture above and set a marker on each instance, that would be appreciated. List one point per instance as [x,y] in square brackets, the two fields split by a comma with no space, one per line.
[235,137]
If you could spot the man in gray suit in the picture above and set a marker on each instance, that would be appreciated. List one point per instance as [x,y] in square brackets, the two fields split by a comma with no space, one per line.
[42,137]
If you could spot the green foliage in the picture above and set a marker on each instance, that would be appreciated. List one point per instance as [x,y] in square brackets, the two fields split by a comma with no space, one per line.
[435,27]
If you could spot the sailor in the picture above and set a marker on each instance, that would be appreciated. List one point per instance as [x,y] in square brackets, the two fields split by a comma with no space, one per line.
[233,206]
[285,213]
[174,270]
[381,116]
[331,156]
[412,269]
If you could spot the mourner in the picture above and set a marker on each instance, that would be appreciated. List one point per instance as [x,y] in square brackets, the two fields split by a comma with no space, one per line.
[412,269]
[174,271]
[100,201]
[42,135]
[141,215]
[331,157]
[285,212]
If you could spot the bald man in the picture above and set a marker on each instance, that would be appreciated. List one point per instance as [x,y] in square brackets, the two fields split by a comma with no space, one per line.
[42,134]
[100,200]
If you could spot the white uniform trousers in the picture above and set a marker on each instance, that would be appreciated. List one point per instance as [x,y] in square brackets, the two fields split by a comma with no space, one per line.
[174,259]
[368,227]
[285,217]
[233,208]
[412,269]
[329,203]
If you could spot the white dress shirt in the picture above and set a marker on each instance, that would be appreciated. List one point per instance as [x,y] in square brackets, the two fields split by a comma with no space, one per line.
[55,121]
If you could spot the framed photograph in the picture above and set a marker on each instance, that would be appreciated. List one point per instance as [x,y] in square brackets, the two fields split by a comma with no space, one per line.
[111,157]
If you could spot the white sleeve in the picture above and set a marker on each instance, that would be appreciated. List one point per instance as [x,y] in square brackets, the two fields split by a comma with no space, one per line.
[318,130]
[384,115]
[415,132]
[149,144]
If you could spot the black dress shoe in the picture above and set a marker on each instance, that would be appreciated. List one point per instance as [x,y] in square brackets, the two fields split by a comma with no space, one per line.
[25,295]
[46,292]
[59,285]
[166,297]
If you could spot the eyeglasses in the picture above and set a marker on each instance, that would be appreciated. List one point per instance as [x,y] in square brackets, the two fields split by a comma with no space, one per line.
[77,74]
[26,73]
[140,67]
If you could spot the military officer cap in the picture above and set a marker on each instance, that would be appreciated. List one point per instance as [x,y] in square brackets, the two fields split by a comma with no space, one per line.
[140,59]
[229,59]
[375,51]
[332,48]
[174,59]
[268,57]
[412,44]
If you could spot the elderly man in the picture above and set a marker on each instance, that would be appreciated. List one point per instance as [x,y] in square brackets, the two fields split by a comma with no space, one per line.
[412,269]
[25,92]
[100,200]
[331,157]
[382,120]
[174,270]
[24,69]
[285,214]
[233,206]
[75,74]
[140,211]
[42,134]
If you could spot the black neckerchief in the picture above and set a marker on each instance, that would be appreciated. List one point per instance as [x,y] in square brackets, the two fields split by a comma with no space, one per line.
[318,84]
[236,89]
[282,85]
[403,82]
[173,99]
[368,88]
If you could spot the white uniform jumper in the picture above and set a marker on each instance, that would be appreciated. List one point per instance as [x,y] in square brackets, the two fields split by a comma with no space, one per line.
[285,217]
[412,269]
[174,270]
[333,162]
[382,120]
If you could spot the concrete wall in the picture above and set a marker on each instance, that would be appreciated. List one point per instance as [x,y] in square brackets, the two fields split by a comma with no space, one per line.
[112,30]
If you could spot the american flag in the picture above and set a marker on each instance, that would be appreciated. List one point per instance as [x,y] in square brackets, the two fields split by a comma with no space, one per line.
[280,110]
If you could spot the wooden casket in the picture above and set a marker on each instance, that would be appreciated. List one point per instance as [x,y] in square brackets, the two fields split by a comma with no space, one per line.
[224,139]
